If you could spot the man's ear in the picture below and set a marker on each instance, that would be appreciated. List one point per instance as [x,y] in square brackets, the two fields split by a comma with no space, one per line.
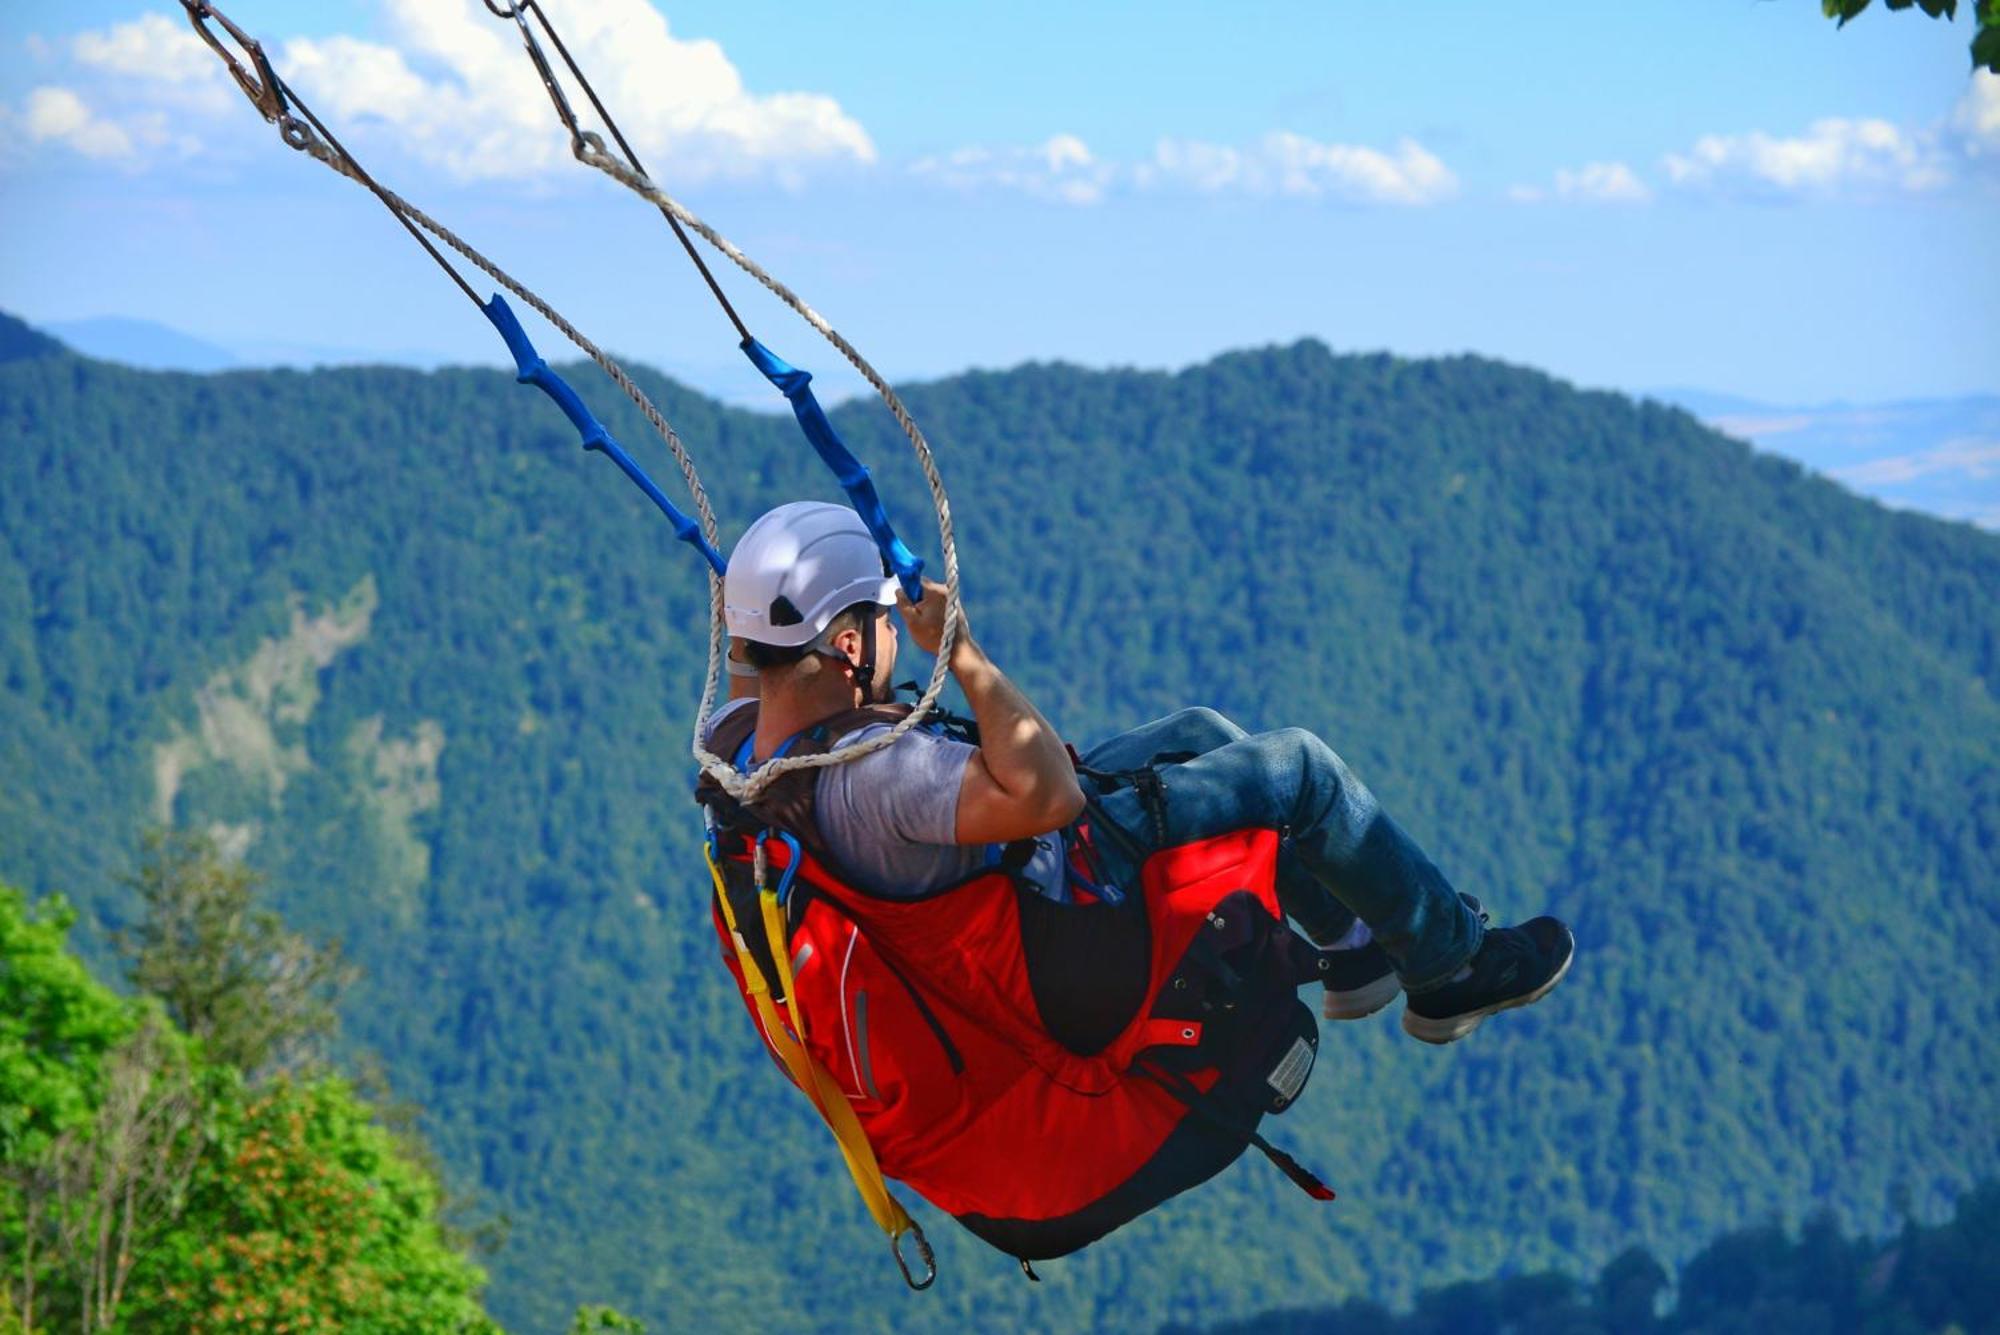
[848,643]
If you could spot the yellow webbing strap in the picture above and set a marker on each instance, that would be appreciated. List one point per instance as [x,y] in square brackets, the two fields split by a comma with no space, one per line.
[811,1077]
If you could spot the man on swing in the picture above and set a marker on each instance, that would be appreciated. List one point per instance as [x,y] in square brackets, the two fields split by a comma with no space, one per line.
[807,607]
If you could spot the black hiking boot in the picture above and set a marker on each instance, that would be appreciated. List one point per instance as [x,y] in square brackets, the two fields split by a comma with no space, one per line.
[1359,982]
[1363,980]
[1515,966]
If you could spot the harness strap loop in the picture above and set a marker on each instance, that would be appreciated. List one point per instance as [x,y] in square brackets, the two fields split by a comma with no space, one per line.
[1202,1105]
[1152,792]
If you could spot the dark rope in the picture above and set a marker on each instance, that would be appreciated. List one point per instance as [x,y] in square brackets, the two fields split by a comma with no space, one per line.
[275,101]
[519,15]
[389,201]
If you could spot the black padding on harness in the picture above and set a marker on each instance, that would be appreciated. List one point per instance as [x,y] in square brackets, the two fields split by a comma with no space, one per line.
[1088,966]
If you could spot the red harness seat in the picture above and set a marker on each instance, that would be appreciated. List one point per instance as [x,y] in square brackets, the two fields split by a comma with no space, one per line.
[1044,1072]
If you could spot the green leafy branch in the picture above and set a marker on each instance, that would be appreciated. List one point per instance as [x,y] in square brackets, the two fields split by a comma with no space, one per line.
[1986,14]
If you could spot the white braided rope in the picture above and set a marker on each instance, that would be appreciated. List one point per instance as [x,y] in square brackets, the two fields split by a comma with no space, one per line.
[746,788]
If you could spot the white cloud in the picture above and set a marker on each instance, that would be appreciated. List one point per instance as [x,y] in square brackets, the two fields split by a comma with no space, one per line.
[1592,183]
[457,94]
[134,93]
[1283,163]
[151,47]
[59,115]
[466,99]
[1835,156]
[1602,183]
[1975,512]
[1974,458]
[1976,119]
[1280,164]
[1752,426]
[1061,167]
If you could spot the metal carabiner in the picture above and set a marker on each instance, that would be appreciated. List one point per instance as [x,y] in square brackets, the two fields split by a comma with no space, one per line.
[790,871]
[265,89]
[923,1251]
[579,138]
[262,92]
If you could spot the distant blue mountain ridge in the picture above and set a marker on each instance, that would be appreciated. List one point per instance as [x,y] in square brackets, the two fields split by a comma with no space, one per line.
[142,344]
[147,345]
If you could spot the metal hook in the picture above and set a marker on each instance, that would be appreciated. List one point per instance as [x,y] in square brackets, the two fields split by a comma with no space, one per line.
[510,12]
[923,1251]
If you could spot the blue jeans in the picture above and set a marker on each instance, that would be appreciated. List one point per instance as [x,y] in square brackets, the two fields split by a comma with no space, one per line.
[1342,856]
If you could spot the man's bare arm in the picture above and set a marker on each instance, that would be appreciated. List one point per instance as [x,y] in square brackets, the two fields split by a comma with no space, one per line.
[1020,782]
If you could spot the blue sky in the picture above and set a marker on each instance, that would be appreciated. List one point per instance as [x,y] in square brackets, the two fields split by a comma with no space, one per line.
[1733,196]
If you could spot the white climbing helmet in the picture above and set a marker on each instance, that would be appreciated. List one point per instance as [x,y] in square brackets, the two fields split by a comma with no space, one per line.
[797,568]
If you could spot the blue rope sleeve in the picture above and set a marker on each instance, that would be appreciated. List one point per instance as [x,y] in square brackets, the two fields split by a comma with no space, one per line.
[530,369]
[796,386]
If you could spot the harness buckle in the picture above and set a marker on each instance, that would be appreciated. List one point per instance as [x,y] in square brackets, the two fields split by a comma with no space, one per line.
[923,1252]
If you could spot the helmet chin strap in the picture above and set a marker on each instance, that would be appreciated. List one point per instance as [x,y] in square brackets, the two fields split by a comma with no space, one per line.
[864,671]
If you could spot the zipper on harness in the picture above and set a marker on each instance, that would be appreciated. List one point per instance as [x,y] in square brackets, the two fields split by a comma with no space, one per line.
[936,1027]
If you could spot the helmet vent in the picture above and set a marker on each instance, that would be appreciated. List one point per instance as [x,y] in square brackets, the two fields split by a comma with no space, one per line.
[783,613]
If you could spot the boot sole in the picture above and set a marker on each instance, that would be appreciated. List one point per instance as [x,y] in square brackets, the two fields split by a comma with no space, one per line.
[1451,1028]
[1363,1001]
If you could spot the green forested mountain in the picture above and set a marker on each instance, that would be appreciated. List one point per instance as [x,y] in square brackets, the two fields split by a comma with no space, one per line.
[19,341]
[434,670]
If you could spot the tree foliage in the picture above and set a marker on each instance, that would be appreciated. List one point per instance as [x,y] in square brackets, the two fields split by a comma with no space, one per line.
[1985,17]
[307,1216]
[146,1187]
[109,1189]
[257,995]
[19,342]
